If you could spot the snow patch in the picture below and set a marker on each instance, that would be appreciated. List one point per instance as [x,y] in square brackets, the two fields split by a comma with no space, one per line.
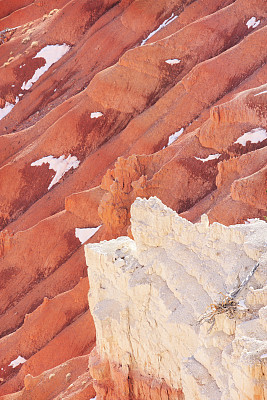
[210,157]
[96,114]
[254,136]
[262,356]
[8,107]
[265,91]
[252,22]
[59,165]
[174,136]
[173,61]
[51,54]
[83,234]
[165,23]
[18,361]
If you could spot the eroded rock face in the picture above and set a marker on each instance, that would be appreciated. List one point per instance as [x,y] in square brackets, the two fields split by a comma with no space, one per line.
[52,383]
[148,99]
[147,297]
[218,166]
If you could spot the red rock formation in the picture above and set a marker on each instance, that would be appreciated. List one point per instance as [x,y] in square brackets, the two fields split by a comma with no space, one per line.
[146,176]
[44,323]
[215,91]
[52,383]
[9,7]
[70,342]
[111,383]
[175,176]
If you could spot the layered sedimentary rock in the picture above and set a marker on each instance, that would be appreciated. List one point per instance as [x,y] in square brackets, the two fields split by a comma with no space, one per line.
[212,168]
[165,326]
[66,381]
[101,102]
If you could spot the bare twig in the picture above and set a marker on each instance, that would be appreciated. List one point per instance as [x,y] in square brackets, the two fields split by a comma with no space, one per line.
[237,291]
[228,305]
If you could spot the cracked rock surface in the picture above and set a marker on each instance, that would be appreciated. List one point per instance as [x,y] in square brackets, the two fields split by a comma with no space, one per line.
[147,294]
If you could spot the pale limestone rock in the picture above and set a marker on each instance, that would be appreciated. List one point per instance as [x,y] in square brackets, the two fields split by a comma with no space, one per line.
[147,295]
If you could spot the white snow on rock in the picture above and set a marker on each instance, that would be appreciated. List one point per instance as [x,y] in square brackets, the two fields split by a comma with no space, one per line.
[59,165]
[173,61]
[254,136]
[51,54]
[8,107]
[83,234]
[165,23]
[252,22]
[96,114]
[174,136]
[265,91]
[18,361]
[210,157]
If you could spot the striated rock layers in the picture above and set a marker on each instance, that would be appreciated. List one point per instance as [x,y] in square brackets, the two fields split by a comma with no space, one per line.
[103,101]
[147,297]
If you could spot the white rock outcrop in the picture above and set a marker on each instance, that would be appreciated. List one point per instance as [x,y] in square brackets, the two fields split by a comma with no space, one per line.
[147,295]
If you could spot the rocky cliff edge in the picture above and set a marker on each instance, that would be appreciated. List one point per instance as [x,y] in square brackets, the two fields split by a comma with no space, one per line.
[169,322]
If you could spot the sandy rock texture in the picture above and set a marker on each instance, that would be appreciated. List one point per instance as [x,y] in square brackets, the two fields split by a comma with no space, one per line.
[155,302]
[101,102]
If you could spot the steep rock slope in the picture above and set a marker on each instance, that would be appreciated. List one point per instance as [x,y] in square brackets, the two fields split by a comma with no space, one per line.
[147,297]
[123,99]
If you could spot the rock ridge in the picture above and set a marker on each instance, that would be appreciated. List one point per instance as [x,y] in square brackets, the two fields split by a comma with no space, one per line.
[161,98]
[146,298]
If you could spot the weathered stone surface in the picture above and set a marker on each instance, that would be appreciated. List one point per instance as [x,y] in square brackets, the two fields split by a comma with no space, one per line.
[204,72]
[67,379]
[127,384]
[71,342]
[148,295]
[174,175]
[43,324]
